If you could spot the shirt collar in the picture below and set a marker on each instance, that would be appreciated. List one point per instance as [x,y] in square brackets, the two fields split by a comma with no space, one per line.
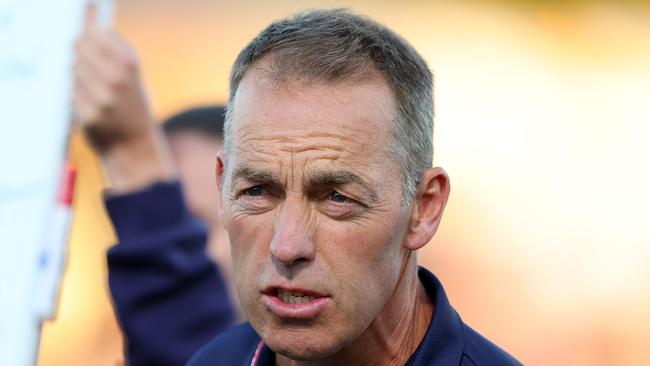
[444,341]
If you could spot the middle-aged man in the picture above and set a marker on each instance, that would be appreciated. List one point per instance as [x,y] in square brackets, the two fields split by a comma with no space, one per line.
[327,193]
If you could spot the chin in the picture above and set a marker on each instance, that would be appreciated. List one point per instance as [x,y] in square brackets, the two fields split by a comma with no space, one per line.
[302,347]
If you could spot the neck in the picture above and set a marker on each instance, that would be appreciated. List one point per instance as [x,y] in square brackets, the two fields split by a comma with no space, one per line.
[394,335]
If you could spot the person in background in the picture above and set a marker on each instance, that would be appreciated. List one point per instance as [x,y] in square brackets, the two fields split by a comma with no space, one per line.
[327,193]
[194,137]
[169,298]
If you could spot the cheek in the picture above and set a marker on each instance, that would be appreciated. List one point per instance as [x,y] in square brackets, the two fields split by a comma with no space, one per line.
[362,245]
[365,260]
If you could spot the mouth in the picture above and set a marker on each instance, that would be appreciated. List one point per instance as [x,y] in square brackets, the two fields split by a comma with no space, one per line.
[294,297]
[295,303]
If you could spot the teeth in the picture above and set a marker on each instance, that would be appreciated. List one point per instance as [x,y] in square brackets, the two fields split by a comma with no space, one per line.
[294,297]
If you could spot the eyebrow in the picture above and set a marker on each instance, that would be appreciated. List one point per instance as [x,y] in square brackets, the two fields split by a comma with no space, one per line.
[338,178]
[256,176]
[331,178]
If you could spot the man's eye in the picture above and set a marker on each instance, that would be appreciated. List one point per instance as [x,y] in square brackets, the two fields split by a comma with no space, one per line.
[338,198]
[256,191]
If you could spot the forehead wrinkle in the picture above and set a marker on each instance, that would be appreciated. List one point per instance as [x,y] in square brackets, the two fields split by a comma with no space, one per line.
[293,145]
[258,155]
[272,152]
[251,133]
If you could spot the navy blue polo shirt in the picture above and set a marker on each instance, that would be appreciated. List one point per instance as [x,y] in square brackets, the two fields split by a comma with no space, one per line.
[448,341]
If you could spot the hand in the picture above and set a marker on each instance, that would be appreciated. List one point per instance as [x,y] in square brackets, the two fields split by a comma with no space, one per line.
[111,107]
[109,99]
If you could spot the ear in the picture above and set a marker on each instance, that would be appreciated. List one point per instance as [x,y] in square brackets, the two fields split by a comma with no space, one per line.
[427,208]
[219,174]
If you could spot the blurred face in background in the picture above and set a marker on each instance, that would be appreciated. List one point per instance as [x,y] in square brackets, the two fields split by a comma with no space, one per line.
[194,154]
[312,203]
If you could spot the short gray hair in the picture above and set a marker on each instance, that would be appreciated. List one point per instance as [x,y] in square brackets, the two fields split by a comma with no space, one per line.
[335,44]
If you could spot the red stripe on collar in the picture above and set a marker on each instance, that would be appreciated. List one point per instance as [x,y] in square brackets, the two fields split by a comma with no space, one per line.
[256,356]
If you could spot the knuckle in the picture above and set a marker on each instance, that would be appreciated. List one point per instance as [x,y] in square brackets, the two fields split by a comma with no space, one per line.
[116,82]
[129,61]
[89,116]
[105,102]
[127,65]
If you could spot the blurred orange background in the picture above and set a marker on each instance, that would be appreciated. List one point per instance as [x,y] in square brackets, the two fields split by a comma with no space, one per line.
[543,121]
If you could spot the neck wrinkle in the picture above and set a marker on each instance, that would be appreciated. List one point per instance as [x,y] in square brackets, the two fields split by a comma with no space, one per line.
[413,322]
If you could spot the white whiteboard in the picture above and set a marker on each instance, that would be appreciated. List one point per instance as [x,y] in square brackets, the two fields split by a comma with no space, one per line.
[36,55]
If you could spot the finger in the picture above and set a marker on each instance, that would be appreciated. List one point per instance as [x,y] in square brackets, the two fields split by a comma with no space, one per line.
[84,112]
[90,21]
[110,55]
[118,41]
[84,105]
[92,90]
[99,61]
[116,54]
[126,55]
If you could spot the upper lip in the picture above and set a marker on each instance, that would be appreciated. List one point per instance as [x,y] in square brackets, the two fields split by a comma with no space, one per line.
[273,290]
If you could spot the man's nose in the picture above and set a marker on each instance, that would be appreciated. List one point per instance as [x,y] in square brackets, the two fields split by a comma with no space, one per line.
[292,242]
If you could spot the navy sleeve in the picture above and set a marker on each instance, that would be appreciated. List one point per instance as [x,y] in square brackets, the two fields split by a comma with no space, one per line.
[169,296]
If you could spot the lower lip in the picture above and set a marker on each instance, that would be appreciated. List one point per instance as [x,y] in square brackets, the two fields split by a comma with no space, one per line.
[296,311]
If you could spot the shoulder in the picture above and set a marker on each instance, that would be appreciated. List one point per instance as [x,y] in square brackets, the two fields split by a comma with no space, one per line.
[233,347]
[480,351]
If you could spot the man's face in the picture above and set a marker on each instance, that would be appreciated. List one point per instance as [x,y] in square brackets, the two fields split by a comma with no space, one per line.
[312,203]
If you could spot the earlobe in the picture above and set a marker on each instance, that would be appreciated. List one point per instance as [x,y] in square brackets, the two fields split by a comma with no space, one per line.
[428,207]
